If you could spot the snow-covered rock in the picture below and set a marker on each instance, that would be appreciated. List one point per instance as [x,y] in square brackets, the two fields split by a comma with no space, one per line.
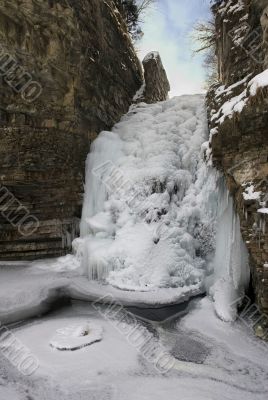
[74,337]
[237,103]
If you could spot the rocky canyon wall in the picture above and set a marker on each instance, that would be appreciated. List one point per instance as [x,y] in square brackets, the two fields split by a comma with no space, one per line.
[68,70]
[238,114]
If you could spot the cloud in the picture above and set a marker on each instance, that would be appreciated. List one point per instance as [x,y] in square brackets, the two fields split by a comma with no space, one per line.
[167,29]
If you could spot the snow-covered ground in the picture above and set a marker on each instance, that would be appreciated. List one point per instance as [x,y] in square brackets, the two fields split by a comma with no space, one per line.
[212,360]
[31,289]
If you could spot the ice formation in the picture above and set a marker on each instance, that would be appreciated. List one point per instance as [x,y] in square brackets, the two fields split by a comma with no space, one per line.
[149,209]
[231,275]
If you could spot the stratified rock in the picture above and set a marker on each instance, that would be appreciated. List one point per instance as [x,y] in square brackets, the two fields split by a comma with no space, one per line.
[240,140]
[156,81]
[84,73]
[264,24]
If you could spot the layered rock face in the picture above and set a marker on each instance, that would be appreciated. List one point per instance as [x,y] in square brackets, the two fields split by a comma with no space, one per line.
[238,116]
[264,24]
[68,70]
[156,81]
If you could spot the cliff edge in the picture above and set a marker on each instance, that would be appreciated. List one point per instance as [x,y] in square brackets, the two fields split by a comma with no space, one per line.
[238,116]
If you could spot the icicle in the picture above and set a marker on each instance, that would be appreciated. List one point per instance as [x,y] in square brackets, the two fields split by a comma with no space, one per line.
[104,151]
[231,274]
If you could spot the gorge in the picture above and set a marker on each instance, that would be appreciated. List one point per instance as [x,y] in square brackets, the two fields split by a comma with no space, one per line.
[133,247]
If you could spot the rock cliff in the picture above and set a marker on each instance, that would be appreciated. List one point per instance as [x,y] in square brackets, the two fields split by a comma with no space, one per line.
[238,117]
[68,70]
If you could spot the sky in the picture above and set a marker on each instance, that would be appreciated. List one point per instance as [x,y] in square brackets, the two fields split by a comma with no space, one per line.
[167,28]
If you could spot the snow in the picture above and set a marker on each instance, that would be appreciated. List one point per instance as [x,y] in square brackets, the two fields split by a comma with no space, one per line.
[263,210]
[149,209]
[111,355]
[237,103]
[149,223]
[74,337]
[154,212]
[233,364]
[8,393]
[250,194]
[30,290]
[259,81]
[148,231]
[227,7]
[243,352]
[26,291]
[153,55]
[139,93]
[223,90]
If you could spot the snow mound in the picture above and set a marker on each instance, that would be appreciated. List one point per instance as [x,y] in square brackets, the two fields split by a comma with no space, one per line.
[149,209]
[75,337]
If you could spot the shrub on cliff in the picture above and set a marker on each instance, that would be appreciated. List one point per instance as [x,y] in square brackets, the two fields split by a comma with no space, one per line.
[205,35]
[133,11]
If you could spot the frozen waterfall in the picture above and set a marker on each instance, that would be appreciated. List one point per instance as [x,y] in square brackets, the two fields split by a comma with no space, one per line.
[107,146]
[152,206]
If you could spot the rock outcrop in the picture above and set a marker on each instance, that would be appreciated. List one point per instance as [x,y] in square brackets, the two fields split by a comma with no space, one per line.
[156,81]
[238,116]
[68,70]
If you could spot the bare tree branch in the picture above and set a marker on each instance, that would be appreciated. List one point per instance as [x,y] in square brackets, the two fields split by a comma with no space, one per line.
[134,10]
[144,5]
[205,35]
